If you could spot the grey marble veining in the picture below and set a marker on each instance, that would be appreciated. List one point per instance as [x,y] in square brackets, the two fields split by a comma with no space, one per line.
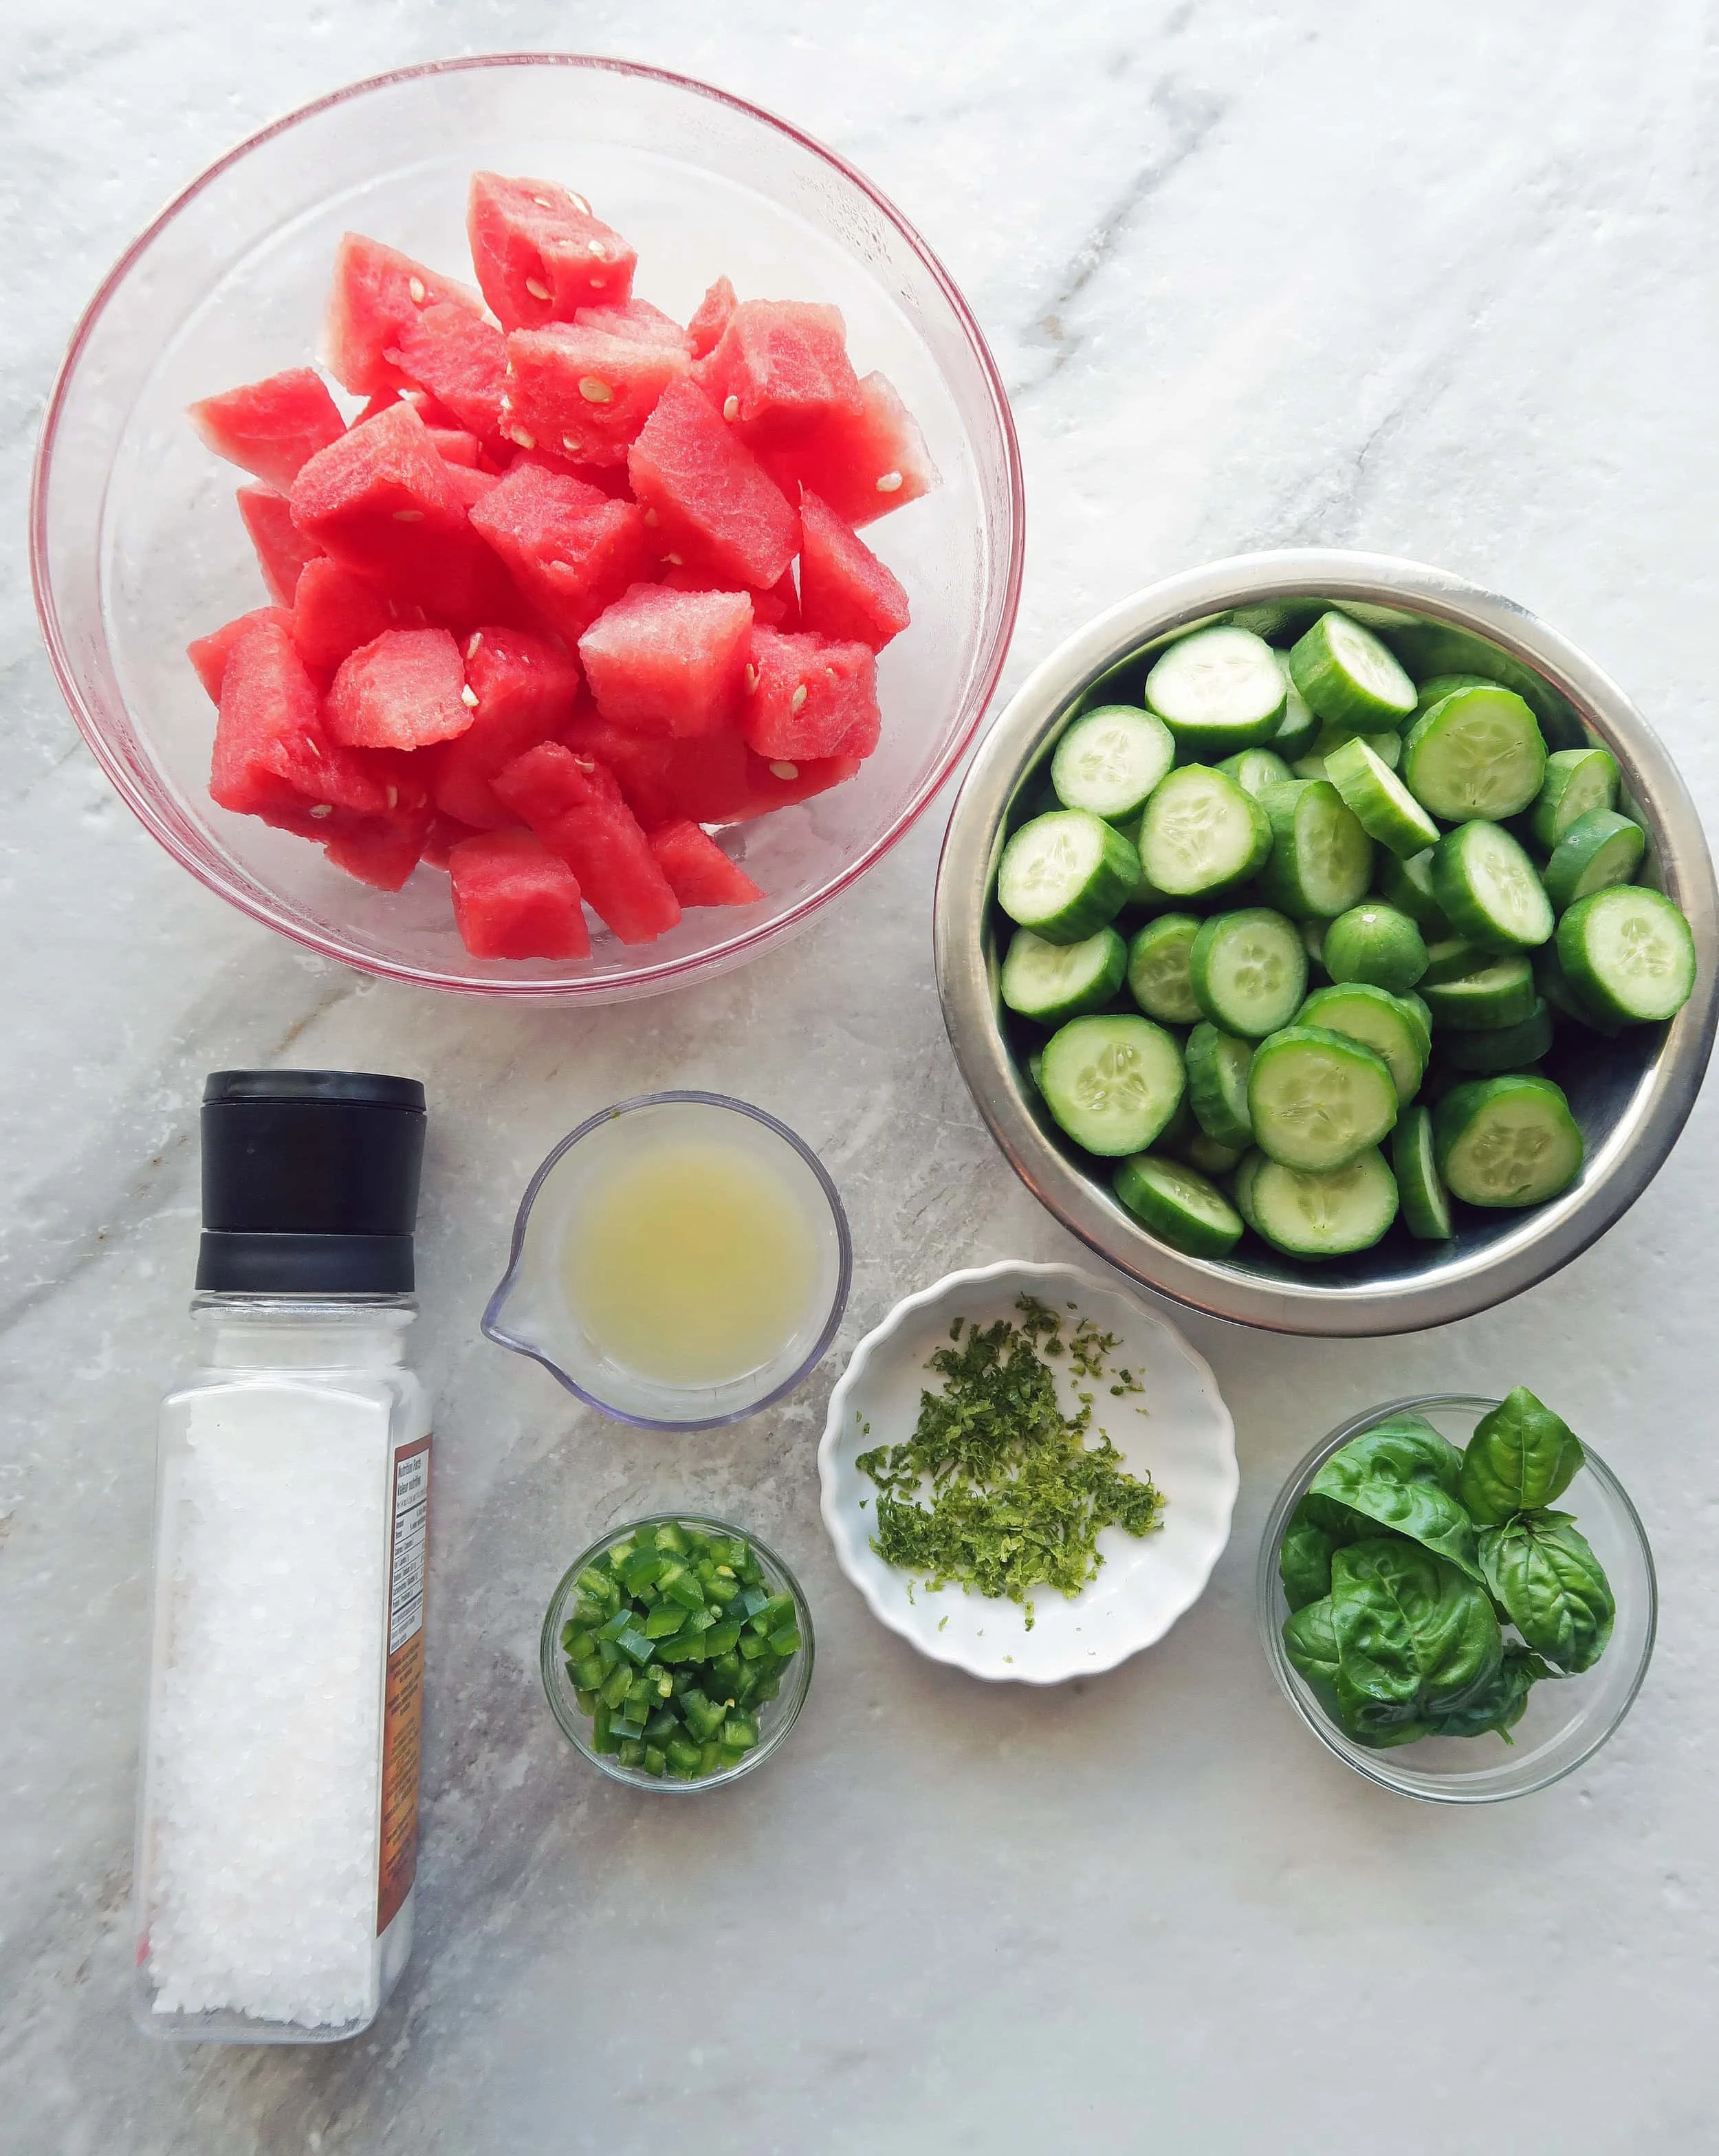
[1435,282]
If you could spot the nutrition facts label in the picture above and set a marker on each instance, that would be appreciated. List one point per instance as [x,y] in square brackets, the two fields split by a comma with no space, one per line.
[410,1519]
[402,1702]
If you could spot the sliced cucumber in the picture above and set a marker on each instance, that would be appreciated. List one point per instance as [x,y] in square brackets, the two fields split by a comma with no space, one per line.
[1627,951]
[1208,1156]
[1178,1205]
[1317,1098]
[1388,748]
[1506,1141]
[1157,969]
[1065,876]
[1254,769]
[1279,621]
[1426,1205]
[1378,1020]
[1249,971]
[1475,752]
[1217,690]
[1499,991]
[1349,677]
[1415,1010]
[1577,781]
[1438,686]
[1218,1065]
[1449,958]
[1488,890]
[1313,942]
[1201,832]
[1300,723]
[1561,992]
[1321,860]
[1372,941]
[1407,885]
[1598,851]
[1035,1070]
[1111,1083]
[1385,808]
[1309,1215]
[1501,1048]
[1051,982]
[1109,760]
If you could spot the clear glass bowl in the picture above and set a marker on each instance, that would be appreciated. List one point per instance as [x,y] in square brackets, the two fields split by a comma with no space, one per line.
[136,547]
[1567,1720]
[775,1718]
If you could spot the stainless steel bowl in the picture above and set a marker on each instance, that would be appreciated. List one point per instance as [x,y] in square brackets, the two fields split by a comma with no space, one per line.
[1630,1097]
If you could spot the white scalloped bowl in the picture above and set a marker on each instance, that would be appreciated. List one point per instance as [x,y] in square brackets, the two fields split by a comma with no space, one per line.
[1185,1438]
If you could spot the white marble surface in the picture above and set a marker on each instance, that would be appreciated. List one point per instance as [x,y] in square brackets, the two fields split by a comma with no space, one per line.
[1434,281]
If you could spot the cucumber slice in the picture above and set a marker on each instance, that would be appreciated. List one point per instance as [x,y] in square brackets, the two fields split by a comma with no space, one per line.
[1383,806]
[1111,1083]
[1438,686]
[1051,982]
[1300,723]
[1201,832]
[1349,677]
[1627,951]
[1577,781]
[1321,861]
[1317,1214]
[1598,851]
[1449,958]
[1307,766]
[1378,1020]
[1313,942]
[1249,971]
[1407,885]
[1475,752]
[1561,992]
[1374,942]
[1218,1065]
[1317,1098]
[1208,1156]
[1414,1009]
[1065,874]
[1502,1048]
[1157,969]
[1388,748]
[1487,888]
[1217,690]
[1035,1070]
[1178,1205]
[1507,1140]
[1254,769]
[1499,991]
[1426,1205]
[1279,621]
[1109,760]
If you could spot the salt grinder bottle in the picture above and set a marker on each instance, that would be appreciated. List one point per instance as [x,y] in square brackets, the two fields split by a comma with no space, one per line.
[277,1835]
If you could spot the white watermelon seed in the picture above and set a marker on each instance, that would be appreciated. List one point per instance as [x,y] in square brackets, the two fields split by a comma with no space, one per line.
[323,809]
[469,697]
[595,390]
[408,516]
[415,286]
[393,797]
[798,698]
[585,762]
[519,434]
[652,519]
[580,205]
[789,771]
[730,407]
[313,748]
[570,444]
[597,252]
[476,640]
[889,482]
[543,203]
[751,677]
[598,284]
[673,561]
[536,290]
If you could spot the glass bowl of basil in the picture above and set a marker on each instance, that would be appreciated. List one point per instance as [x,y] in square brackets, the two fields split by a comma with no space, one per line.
[1457,1596]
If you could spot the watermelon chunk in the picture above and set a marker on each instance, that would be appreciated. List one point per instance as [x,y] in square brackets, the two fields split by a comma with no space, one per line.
[670,662]
[524,688]
[713,505]
[584,393]
[431,414]
[638,321]
[461,360]
[444,835]
[270,428]
[539,252]
[377,291]
[845,592]
[863,465]
[569,549]
[779,607]
[576,808]
[710,317]
[273,757]
[405,690]
[453,445]
[209,653]
[515,899]
[778,782]
[282,550]
[384,851]
[610,480]
[780,368]
[698,872]
[705,778]
[472,486]
[334,612]
[810,697]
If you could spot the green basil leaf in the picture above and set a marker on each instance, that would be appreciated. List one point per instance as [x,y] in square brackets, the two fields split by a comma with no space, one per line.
[1403,1476]
[1414,1634]
[1340,1522]
[1540,1569]
[1312,1645]
[1498,1705]
[1304,1562]
[1521,1456]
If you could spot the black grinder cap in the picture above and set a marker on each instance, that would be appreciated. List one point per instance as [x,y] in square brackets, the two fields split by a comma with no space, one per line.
[310,1181]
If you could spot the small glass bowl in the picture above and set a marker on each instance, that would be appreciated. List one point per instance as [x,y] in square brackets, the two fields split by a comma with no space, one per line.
[775,1719]
[1567,1720]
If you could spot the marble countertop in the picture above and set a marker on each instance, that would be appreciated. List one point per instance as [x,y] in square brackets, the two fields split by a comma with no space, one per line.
[1438,284]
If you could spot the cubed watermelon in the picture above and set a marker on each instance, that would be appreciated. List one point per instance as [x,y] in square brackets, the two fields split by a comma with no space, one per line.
[810,697]
[670,662]
[272,755]
[710,317]
[845,592]
[431,414]
[779,607]
[610,480]
[698,872]
[638,321]
[472,486]
[778,782]
[863,465]
[334,612]
[377,291]
[584,393]
[405,690]
[539,252]
[515,899]
[706,779]
[270,428]
[576,808]
[444,834]
[462,360]
[713,503]
[781,368]
[384,851]
[524,688]
[453,445]
[282,550]
[570,550]
[209,653]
